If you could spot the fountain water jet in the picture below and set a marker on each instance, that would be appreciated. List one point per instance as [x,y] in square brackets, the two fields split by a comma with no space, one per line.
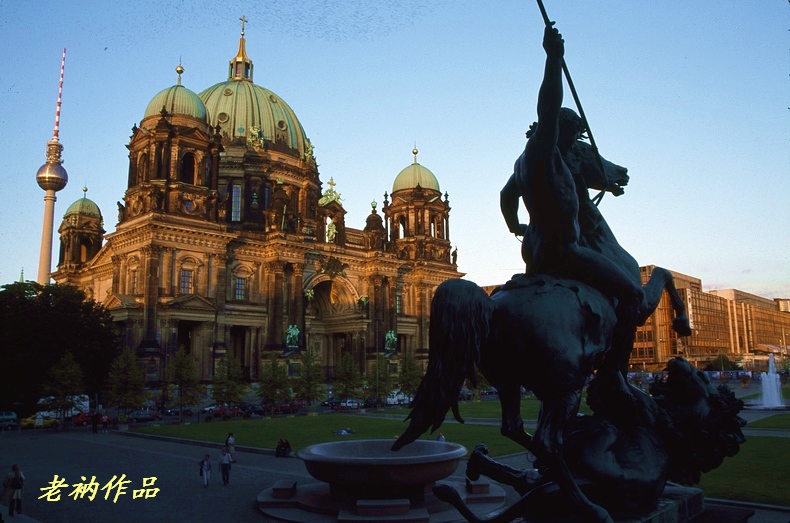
[772,387]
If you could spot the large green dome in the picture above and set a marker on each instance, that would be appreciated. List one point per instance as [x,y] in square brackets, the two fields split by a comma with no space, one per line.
[177,100]
[248,113]
[414,175]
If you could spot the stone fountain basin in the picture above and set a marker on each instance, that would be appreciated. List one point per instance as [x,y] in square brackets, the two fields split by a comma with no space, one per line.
[371,462]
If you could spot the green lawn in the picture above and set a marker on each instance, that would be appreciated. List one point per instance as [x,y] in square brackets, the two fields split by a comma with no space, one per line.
[491,409]
[777,421]
[758,473]
[306,430]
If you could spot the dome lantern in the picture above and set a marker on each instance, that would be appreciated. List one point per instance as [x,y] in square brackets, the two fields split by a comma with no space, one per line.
[241,65]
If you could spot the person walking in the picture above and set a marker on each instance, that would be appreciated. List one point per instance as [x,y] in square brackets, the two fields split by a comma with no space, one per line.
[205,469]
[225,462]
[14,484]
[230,442]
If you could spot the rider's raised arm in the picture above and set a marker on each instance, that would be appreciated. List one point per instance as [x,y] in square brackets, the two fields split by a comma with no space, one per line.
[550,94]
[508,203]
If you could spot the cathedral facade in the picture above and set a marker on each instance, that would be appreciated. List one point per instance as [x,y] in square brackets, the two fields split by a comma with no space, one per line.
[227,242]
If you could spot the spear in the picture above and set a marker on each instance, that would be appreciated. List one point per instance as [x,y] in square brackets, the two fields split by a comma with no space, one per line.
[616,189]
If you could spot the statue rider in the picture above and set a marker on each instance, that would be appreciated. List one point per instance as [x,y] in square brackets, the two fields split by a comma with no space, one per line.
[543,180]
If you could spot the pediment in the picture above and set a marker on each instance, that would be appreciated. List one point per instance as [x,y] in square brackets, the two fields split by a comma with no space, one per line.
[104,255]
[193,302]
[120,301]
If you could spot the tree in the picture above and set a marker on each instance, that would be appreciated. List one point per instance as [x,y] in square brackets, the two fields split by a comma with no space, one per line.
[274,382]
[721,362]
[409,376]
[309,384]
[63,384]
[126,382]
[183,375]
[38,325]
[348,380]
[228,385]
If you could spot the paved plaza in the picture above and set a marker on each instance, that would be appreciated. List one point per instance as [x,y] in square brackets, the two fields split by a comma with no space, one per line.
[71,455]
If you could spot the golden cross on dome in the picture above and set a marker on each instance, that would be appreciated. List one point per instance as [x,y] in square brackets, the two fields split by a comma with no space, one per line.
[243,21]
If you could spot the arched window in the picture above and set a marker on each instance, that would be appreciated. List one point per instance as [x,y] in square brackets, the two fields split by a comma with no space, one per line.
[402,225]
[187,168]
[188,275]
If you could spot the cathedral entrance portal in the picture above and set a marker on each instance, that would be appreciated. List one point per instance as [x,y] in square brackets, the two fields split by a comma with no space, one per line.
[334,318]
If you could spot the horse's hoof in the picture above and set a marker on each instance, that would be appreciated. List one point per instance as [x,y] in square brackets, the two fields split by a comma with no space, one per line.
[681,325]
[473,465]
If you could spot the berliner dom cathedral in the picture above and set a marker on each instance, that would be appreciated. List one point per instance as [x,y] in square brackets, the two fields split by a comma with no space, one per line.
[228,242]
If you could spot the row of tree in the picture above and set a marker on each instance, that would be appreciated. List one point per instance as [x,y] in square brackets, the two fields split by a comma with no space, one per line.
[54,342]
[127,382]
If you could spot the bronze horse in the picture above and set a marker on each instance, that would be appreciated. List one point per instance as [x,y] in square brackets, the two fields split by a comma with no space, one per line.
[541,332]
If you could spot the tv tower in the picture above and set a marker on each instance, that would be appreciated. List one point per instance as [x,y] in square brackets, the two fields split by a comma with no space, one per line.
[51,177]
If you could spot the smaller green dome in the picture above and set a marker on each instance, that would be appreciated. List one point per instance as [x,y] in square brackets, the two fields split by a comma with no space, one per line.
[414,175]
[177,100]
[83,207]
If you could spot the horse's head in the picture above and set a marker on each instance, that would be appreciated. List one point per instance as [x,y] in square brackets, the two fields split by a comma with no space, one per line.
[583,161]
[706,427]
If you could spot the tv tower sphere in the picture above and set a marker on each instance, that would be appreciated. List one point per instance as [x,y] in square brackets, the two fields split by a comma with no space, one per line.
[52,176]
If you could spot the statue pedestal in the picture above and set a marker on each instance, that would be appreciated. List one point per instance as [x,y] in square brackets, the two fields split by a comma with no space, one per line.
[676,505]
[683,504]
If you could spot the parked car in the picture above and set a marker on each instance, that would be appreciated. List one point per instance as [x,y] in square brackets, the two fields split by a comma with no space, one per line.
[48,422]
[257,410]
[176,411]
[143,415]
[227,410]
[374,403]
[209,409]
[8,420]
[349,404]
[397,398]
[86,418]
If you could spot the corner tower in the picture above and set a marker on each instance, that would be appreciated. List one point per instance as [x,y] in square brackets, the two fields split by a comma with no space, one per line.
[81,234]
[417,219]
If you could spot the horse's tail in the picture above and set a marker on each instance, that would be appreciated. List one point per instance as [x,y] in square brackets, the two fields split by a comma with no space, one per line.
[460,316]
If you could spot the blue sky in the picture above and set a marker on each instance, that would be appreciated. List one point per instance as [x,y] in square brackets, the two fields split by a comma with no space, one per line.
[691,96]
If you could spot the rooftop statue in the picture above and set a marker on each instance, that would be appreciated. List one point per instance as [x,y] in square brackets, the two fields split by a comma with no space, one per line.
[574,313]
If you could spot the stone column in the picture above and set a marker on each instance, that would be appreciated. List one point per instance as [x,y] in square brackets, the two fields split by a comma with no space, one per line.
[275,327]
[167,270]
[150,280]
[221,271]
[422,316]
[116,274]
[297,295]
